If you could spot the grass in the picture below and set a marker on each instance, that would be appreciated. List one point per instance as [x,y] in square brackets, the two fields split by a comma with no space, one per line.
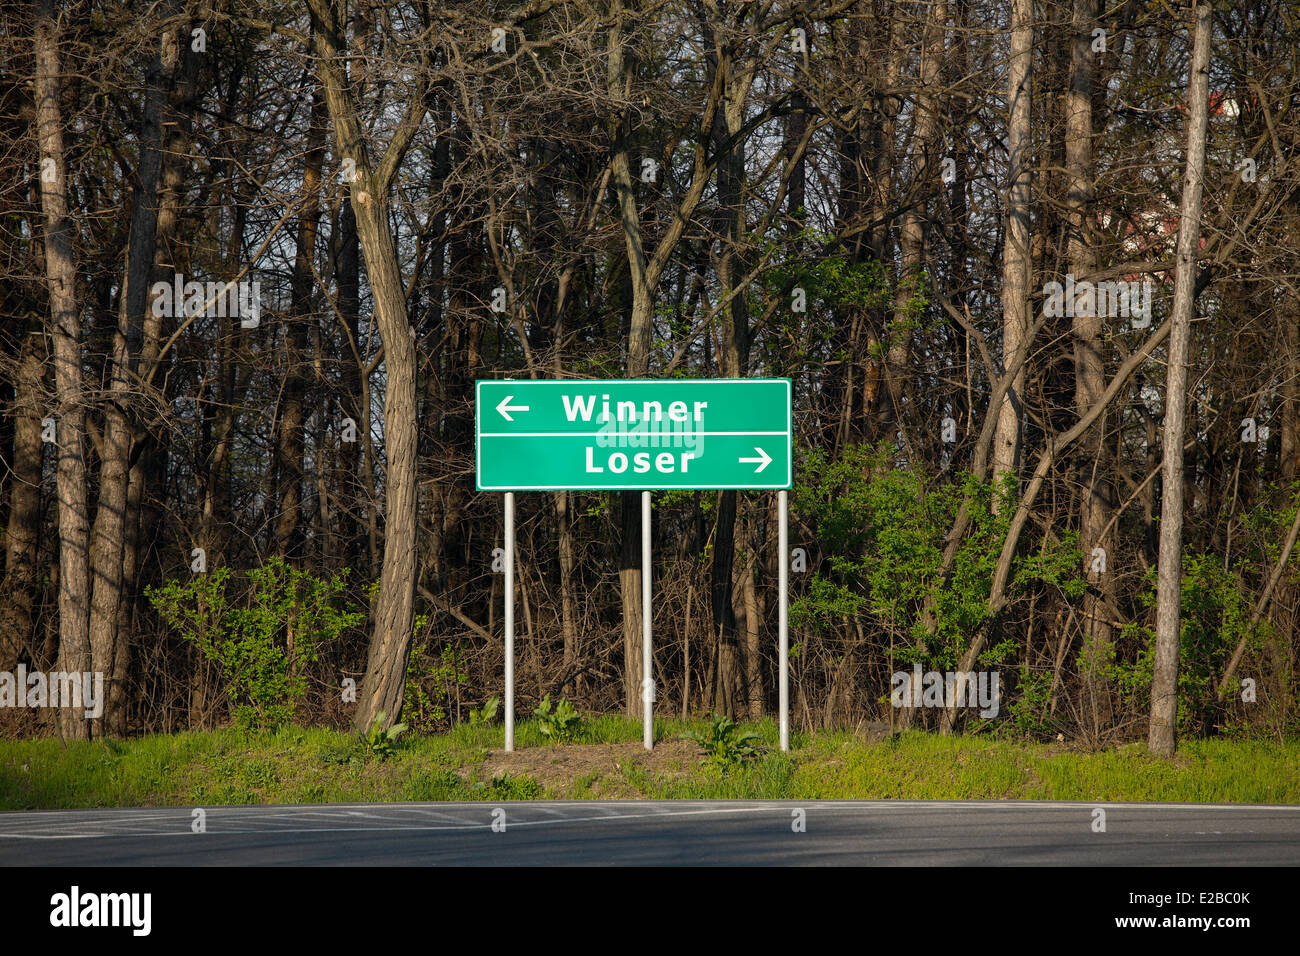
[299,765]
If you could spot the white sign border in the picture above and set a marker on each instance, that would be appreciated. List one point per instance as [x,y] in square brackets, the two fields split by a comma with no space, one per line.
[581,382]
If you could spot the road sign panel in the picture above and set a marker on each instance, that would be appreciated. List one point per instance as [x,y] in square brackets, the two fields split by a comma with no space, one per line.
[633,434]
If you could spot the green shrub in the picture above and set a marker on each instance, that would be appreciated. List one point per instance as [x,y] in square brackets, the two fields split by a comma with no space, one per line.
[882,530]
[262,640]
[430,681]
[1214,617]
[1031,709]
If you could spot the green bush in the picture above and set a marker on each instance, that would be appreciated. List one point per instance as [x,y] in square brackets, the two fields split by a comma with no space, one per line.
[1215,616]
[430,682]
[883,530]
[263,639]
[1031,709]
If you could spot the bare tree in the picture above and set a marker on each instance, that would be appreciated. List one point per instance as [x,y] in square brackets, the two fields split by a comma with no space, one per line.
[1095,504]
[1016,254]
[382,687]
[1164,684]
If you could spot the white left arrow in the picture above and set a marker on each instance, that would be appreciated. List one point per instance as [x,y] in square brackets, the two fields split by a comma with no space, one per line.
[505,408]
[765,460]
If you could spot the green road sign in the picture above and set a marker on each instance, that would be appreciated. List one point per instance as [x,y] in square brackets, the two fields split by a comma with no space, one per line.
[633,434]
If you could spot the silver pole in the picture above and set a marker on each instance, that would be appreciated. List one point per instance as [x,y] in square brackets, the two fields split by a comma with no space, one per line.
[510,620]
[783,625]
[647,652]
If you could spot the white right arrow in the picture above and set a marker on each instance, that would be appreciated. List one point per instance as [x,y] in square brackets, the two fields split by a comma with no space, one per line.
[765,460]
[505,408]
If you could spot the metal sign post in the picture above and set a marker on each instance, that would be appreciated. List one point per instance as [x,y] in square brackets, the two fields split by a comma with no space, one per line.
[510,620]
[635,435]
[783,617]
[647,622]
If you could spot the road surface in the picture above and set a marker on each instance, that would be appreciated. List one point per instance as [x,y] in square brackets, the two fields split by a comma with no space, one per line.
[699,833]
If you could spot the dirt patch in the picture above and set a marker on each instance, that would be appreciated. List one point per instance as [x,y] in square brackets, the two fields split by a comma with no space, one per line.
[599,766]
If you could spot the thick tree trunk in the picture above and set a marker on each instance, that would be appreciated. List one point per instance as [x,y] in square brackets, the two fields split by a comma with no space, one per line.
[109,539]
[347,269]
[731,225]
[65,330]
[394,613]
[383,685]
[640,324]
[1161,734]
[1096,504]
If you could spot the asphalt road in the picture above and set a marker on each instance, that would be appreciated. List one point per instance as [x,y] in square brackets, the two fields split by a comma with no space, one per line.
[660,833]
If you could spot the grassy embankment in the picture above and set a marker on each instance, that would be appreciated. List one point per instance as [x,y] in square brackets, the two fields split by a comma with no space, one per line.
[314,766]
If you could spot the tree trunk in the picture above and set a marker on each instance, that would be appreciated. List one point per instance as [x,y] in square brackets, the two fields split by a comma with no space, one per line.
[912,234]
[640,323]
[568,610]
[753,635]
[1164,684]
[65,330]
[110,535]
[1096,504]
[730,223]
[353,550]
[148,476]
[725,689]
[394,613]
[289,447]
[382,688]
[21,537]
[629,579]
[1016,253]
